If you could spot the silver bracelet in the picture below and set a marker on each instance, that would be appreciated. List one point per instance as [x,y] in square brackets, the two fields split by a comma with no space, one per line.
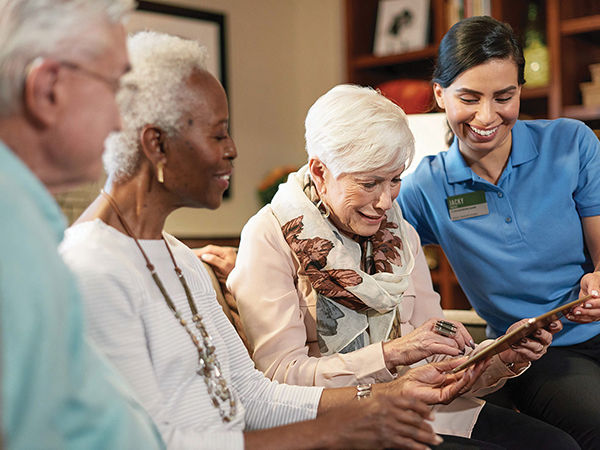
[363,391]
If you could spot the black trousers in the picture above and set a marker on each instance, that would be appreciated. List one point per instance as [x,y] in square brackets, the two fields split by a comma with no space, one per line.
[563,389]
[513,430]
[500,428]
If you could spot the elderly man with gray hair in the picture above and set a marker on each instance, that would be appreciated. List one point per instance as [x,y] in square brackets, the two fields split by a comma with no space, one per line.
[60,65]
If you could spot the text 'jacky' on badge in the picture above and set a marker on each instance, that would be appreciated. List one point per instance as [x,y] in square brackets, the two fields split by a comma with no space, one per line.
[464,206]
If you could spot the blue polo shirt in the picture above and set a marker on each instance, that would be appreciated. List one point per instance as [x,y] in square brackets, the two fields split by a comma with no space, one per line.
[527,255]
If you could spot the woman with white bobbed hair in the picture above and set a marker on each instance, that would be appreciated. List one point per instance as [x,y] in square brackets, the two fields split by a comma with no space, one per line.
[331,281]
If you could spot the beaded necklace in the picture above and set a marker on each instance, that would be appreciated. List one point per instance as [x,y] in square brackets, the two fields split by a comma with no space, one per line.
[208,365]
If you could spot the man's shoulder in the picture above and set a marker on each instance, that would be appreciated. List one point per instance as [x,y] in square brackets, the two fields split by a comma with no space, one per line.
[31,270]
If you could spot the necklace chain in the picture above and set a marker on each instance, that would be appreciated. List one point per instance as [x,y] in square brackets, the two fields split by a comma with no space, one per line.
[209,367]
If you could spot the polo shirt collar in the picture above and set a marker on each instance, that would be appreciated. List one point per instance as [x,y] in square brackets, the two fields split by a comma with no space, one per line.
[17,174]
[523,150]
[456,168]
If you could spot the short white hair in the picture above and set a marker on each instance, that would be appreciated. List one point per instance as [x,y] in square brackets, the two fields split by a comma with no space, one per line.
[154,92]
[49,28]
[356,129]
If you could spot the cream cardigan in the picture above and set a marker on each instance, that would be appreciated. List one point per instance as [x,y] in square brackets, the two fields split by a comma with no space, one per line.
[278,311]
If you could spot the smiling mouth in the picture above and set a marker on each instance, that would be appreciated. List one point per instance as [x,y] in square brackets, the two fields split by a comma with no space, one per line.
[371,217]
[481,132]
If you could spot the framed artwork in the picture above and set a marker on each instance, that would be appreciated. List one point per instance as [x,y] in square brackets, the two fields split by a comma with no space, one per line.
[208,28]
[402,26]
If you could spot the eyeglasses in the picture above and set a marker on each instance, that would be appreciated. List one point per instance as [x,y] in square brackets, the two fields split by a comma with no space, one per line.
[113,83]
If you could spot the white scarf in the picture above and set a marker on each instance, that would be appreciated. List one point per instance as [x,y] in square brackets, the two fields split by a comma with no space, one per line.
[353,307]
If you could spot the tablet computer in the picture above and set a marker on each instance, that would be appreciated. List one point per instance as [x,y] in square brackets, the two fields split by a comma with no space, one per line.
[526,329]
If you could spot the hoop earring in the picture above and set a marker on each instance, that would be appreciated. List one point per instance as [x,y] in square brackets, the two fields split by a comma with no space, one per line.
[160,174]
[324,205]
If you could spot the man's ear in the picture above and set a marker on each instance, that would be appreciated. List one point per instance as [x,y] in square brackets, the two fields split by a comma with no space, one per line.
[438,92]
[41,96]
[318,172]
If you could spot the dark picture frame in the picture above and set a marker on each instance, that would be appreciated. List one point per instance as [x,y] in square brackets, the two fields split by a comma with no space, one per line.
[207,27]
[402,26]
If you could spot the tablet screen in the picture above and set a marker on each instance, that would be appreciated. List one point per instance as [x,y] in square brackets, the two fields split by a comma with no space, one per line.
[526,329]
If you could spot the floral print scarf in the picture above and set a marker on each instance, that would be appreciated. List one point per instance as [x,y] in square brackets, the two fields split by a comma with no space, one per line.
[354,306]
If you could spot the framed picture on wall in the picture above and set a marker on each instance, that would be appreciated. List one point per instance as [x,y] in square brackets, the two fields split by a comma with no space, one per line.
[206,27]
[402,26]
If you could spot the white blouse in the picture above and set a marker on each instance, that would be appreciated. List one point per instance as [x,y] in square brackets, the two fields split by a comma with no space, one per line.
[131,323]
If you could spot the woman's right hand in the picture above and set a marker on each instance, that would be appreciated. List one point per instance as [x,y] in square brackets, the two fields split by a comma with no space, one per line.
[385,420]
[434,383]
[423,342]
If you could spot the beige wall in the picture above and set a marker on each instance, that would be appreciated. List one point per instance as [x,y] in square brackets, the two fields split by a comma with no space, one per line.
[282,55]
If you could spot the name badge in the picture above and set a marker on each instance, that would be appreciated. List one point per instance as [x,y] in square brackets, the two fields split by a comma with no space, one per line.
[464,206]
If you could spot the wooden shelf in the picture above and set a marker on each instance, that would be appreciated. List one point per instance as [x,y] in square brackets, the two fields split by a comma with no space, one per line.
[581,112]
[372,61]
[535,92]
[580,25]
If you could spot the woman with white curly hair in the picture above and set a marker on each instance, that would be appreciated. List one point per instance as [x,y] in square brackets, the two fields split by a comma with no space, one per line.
[332,285]
[150,303]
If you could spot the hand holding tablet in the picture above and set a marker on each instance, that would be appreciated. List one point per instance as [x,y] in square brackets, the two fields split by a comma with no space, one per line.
[527,329]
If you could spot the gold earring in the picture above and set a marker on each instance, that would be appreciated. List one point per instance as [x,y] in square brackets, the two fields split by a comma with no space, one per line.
[160,175]
[327,211]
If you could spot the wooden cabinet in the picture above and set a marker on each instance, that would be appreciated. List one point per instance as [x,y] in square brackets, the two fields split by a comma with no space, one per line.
[444,281]
[572,32]
[572,35]
[573,28]
[366,69]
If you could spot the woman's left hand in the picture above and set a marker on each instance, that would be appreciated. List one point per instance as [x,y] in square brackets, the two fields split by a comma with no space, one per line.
[532,347]
[424,341]
[589,311]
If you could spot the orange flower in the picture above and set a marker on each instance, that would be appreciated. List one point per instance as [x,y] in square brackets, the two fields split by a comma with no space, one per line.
[268,186]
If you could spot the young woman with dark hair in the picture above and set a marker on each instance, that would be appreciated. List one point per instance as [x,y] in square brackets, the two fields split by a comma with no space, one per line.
[515,205]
